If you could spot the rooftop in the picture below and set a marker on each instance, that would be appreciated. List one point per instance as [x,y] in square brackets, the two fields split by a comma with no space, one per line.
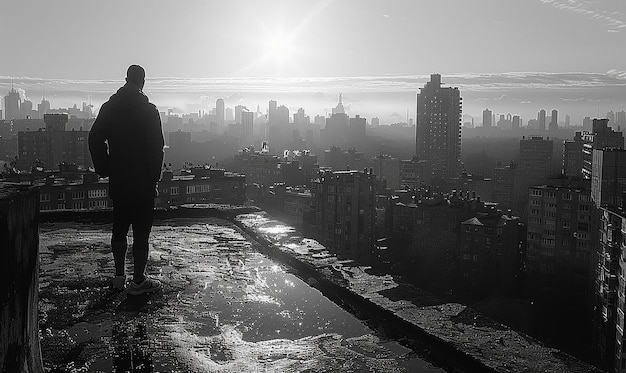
[249,294]
[225,307]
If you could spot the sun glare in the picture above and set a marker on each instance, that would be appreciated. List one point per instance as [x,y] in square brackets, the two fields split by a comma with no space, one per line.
[280,48]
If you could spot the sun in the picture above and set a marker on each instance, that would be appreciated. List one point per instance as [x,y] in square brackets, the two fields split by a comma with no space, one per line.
[280,48]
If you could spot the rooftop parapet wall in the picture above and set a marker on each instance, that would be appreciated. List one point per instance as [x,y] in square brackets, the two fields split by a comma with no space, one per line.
[19,277]
[482,343]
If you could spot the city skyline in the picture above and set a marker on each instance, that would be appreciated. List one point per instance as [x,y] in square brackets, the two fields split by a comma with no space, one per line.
[560,55]
[386,97]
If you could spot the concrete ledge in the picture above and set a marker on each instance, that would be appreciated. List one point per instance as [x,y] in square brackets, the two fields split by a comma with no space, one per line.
[19,279]
[459,336]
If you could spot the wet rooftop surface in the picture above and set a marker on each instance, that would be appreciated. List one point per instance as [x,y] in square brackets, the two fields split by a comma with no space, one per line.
[225,307]
[453,329]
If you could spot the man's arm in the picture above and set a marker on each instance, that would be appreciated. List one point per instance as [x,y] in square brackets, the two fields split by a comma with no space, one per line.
[97,145]
[157,142]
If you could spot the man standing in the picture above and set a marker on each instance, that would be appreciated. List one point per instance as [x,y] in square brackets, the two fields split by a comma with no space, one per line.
[126,144]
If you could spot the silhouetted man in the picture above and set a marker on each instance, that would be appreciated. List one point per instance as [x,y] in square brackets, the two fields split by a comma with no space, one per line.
[126,144]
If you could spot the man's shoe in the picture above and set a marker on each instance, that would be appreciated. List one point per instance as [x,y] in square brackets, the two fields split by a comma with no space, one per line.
[118,282]
[148,285]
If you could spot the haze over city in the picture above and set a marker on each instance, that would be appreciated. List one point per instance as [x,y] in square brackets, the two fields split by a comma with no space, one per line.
[313,186]
[510,56]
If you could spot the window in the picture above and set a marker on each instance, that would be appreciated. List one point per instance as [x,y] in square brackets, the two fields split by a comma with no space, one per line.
[567,196]
[61,196]
[174,191]
[566,224]
[191,189]
[78,195]
[97,193]
[44,197]
[98,204]
[61,206]
[78,206]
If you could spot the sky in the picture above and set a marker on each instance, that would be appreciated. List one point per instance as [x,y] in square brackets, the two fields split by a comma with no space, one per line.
[509,55]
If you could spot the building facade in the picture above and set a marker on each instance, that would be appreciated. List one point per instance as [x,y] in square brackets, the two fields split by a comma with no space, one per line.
[343,209]
[438,130]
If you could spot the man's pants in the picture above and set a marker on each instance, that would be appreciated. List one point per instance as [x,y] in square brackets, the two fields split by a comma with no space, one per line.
[139,214]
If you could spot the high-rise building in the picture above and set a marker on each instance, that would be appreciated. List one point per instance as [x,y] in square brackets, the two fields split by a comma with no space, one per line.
[220,114]
[601,137]
[560,237]
[387,168]
[541,118]
[343,211]
[487,118]
[573,156]
[620,118]
[536,156]
[554,120]
[357,131]
[611,117]
[438,129]
[12,104]
[238,110]
[43,107]
[335,133]
[515,123]
[587,124]
[247,128]
[271,112]
[608,177]
[608,317]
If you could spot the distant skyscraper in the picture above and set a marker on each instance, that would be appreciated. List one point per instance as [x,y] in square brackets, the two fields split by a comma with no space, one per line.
[620,118]
[541,118]
[12,103]
[339,109]
[219,114]
[554,120]
[611,117]
[568,120]
[247,119]
[335,132]
[271,114]
[43,107]
[438,129]
[515,122]
[487,118]
[238,110]
[586,124]
[375,122]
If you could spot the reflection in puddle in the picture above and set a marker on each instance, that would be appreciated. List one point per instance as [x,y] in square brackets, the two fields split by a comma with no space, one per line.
[225,308]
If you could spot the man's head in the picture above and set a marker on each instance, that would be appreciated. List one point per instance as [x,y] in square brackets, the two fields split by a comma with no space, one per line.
[136,75]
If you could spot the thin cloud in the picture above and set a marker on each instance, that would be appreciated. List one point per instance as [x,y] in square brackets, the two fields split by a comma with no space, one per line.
[614,20]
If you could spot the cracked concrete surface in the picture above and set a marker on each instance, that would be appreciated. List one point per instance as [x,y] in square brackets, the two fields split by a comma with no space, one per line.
[225,307]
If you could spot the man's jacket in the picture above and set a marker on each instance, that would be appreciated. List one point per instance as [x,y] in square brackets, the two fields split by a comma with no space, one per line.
[131,127]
